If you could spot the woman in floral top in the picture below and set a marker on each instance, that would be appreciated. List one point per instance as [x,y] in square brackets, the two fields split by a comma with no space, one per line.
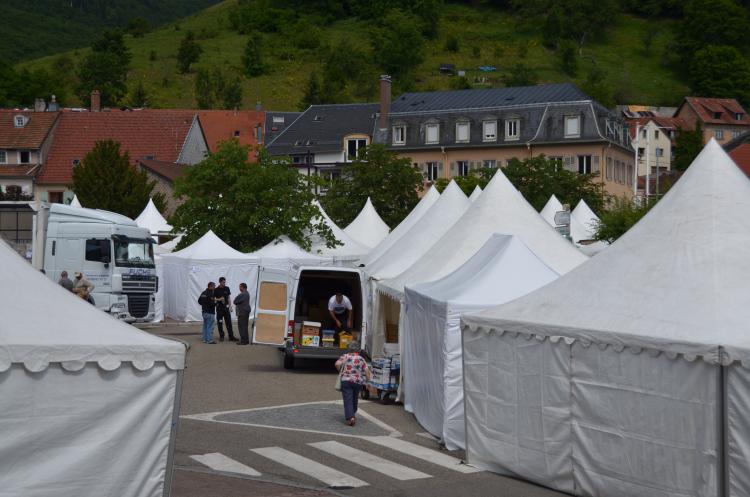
[354,374]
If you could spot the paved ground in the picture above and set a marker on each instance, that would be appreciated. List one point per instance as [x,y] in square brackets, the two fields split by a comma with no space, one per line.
[251,428]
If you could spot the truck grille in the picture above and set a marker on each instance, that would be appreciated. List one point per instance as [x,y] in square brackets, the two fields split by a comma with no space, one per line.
[139,286]
[138,305]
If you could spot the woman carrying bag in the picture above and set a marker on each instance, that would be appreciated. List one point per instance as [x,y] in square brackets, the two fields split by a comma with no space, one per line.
[353,375]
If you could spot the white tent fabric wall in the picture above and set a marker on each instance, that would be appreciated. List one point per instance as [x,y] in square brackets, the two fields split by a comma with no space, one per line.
[75,202]
[368,228]
[168,247]
[188,271]
[151,219]
[72,377]
[552,207]
[503,269]
[349,250]
[672,294]
[283,252]
[475,194]
[404,226]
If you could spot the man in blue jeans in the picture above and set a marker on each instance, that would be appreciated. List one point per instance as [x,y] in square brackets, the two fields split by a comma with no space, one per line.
[208,306]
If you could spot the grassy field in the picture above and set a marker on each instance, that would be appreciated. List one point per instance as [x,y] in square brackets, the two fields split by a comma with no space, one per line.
[637,76]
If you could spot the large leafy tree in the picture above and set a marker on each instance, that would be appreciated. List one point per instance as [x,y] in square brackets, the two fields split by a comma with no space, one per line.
[188,53]
[688,145]
[246,204]
[712,22]
[106,180]
[621,215]
[391,182]
[105,69]
[398,45]
[720,71]
[252,57]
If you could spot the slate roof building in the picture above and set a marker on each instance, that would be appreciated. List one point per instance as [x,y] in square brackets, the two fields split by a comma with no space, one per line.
[277,122]
[449,133]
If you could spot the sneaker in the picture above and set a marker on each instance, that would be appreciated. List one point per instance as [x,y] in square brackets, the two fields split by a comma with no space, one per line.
[233,339]
[212,342]
[242,343]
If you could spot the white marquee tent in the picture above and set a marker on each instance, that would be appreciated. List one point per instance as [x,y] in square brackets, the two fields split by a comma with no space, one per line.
[368,228]
[151,219]
[552,207]
[502,270]
[284,252]
[475,193]
[75,202]
[349,249]
[88,403]
[629,375]
[404,226]
[583,224]
[168,247]
[188,271]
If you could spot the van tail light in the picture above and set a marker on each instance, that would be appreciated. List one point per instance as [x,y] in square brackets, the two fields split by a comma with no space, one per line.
[290,329]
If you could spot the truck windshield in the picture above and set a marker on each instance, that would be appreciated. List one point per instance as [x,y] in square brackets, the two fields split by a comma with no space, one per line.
[132,252]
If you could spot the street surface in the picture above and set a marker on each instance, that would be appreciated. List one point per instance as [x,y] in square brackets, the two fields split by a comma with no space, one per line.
[251,428]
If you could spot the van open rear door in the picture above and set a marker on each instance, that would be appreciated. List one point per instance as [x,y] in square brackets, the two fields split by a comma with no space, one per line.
[272,303]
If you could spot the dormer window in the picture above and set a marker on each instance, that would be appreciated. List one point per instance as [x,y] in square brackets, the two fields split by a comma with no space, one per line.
[489,131]
[512,128]
[462,132]
[399,135]
[738,116]
[278,119]
[3,157]
[717,115]
[19,121]
[24,157]
[572,126]
[432,134]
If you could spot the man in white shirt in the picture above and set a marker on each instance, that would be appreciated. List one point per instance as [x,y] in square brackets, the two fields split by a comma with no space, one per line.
[339,307]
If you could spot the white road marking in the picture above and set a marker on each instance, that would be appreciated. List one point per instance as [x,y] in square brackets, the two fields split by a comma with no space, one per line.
[331,477]
[220,462]
[428,436]
[369,461]
[423,453]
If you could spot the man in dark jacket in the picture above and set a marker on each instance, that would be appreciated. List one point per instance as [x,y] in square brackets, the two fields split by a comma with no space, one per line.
[224,309]
[207,300]
[242,304]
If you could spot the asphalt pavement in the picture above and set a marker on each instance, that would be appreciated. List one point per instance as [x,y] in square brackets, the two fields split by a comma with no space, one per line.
[249,427]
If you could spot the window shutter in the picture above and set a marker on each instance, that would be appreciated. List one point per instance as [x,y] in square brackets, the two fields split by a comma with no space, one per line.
[567,162]
[440,169]
[453,167]
[595,164]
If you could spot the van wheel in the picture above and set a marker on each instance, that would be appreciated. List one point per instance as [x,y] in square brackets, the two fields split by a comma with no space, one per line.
[288,361]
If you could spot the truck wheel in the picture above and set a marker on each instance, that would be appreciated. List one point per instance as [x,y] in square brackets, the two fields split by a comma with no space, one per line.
[288,361]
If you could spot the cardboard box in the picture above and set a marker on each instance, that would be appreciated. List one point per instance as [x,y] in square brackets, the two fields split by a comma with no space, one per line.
[310,341]
[344,340]
[311,328]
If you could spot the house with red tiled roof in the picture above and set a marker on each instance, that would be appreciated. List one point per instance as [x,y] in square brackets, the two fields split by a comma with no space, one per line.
[246,126]
[164,175]
[165,135]
[721,118]
[739,150]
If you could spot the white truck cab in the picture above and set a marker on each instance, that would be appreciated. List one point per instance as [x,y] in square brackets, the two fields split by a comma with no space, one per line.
[285,299]
[111,251]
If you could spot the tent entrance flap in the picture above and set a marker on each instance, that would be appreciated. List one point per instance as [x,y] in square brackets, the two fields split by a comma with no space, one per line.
[271,308]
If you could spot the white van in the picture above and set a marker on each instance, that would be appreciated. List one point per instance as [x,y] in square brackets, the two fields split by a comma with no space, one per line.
[285,299]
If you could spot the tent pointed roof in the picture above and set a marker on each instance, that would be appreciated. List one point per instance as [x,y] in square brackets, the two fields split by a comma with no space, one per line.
[675,282]
[502,270]
[151,219]
[475,193]
[208,247]
[408,223]
[433,225]
[169,246]
[586,219]
[350,248]
[75,202]
[500,209]
[368,228]
[552,207]
[70,331]
[284,248]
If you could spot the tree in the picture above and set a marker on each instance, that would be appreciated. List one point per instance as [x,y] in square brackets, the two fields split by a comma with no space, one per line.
[188,53]
[711,22]
[475,178]
[520,75]
[566,51]
[138,27]
[105,69]
[204,95]
[313,92]
[688,144]
[106,180]
[720,71]
[398,45]
[138,95]
[597,87]
[252,58]
[391,182]
[232,94]
[620,217]
[246,205]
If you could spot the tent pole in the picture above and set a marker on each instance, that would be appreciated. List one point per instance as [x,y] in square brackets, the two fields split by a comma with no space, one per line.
[723,452]
[173,435]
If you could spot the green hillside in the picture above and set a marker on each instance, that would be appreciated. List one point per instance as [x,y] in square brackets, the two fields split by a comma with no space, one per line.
[485,36]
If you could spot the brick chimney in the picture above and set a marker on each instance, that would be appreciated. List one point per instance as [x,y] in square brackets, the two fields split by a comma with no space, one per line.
[96,101]
[385,101]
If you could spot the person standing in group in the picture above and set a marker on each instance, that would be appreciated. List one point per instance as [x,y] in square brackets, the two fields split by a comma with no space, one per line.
[83,288]
[65,282]
[208,306]
[224,309]
[354,373]
[242,304]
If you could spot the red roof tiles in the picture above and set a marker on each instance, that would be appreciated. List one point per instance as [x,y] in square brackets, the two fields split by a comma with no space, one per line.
[223,125]
[31,135]
[167,170]
[717,110]
[741,156]
[149,133]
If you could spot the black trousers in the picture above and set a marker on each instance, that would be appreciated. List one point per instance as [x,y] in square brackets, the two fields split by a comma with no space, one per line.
[242,324]
[223,314]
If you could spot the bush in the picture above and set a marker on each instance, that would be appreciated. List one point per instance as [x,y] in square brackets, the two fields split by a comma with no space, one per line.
[451,44]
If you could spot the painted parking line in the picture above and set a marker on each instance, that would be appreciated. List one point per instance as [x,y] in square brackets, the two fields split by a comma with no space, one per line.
[369,461]
[331,477]
[220,462]
[424,453]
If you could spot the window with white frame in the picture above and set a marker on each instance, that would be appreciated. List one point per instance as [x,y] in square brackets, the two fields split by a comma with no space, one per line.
[399,135]
[557,160]
[489,163]
[462,132]
[432,133]
[719,134]
[489,131]
[656,134]
[432,171]
[736,133]
[512,128]
[19,121]
[355,147]
[584,164]
[463,167]
[659,152]
[572,126]
[3,157]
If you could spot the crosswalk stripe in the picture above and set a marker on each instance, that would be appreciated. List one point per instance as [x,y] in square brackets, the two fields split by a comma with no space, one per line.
[369,461]
[331,477]
[423,453]
[220,462]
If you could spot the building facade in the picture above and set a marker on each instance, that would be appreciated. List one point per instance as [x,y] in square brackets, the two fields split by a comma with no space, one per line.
[723,119]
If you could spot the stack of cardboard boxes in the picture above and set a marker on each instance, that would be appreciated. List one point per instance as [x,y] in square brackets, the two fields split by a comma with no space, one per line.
[385,372]
[311,334]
